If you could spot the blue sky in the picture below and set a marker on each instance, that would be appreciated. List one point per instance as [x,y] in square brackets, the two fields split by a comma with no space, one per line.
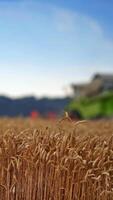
[46,45]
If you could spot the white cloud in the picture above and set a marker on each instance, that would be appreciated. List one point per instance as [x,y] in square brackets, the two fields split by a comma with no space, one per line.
[86,34]
[94,25]
[64,20]
[67,20]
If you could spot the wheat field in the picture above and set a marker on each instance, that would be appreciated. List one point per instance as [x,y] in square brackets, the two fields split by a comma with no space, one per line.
[63,160]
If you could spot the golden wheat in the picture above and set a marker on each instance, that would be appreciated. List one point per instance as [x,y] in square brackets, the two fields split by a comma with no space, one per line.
[40,160]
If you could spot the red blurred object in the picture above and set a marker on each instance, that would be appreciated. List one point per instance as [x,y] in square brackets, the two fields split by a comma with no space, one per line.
[51,115]
[34,114]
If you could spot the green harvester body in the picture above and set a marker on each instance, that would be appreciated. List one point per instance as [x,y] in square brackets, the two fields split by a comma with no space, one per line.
[93,107]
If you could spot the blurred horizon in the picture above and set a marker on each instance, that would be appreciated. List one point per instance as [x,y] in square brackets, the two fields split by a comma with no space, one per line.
[45,46]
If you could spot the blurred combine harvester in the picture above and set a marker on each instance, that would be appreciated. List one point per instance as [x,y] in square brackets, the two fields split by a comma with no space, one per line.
[94,99]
